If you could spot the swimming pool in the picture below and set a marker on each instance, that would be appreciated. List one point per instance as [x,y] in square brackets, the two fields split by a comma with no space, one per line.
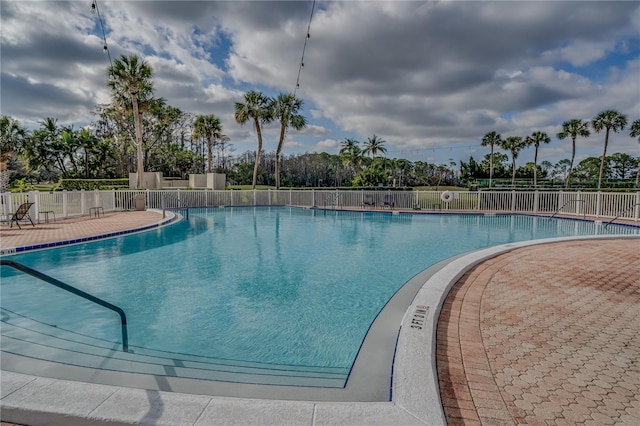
[274,286]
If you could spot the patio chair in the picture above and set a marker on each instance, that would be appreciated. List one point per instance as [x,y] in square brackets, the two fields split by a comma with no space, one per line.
[368,201]
[388,201]
[21,214]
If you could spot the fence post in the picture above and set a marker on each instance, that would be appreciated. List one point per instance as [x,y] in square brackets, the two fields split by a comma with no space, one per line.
[34,197]
[636,213]
[535,202]
[579,205]
[254,197]
[83,201]
[598,204]
[65,203]
[513,201]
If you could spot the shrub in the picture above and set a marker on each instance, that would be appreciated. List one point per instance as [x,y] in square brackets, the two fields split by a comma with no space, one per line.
[91,184]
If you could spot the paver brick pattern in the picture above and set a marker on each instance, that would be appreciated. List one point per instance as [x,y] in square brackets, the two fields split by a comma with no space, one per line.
[77,227]
[547,334]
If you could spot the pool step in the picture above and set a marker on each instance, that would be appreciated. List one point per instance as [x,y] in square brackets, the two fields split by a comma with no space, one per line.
[26,337]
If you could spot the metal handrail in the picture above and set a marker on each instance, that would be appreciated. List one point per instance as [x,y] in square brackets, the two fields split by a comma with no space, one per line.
[620,213]
[184,206]
[77,292]
[584,213]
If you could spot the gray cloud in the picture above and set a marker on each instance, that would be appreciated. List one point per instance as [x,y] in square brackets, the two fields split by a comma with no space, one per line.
[418,74]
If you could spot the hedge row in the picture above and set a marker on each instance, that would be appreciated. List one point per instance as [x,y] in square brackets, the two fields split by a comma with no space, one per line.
[91,184]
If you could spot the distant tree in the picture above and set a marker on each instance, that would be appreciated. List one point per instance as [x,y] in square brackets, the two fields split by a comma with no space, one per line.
[130,80]
[499,164]
[39,149]
[588,168]
[286,108]
[546,166]
[536,139]
[514,145]
[12,135]
[256,107]
[635,132]
[470,170]
[373,146]
[573,128]
[607,120]
[491,139]
[622,164]
[208,127]
[351,155]
[561,168]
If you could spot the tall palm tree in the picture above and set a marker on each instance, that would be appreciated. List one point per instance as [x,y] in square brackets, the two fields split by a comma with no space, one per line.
[351,154]
[130,82]
[536,139]
[573,128]
[256,107]
[513,144]
[208,127]
[491,139]
[635,132]
[286,108]
[373,146]
[607,120]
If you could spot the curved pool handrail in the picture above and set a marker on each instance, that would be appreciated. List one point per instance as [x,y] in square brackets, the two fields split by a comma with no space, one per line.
[620,213]
[574,200]
[27,270]
[181,204]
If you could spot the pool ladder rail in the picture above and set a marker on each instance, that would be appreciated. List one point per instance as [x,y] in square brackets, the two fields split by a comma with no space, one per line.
[574,200]
[46,278]
[170,199]
[620,213]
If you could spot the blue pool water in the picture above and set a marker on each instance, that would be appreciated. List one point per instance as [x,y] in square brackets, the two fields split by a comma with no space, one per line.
[271,285]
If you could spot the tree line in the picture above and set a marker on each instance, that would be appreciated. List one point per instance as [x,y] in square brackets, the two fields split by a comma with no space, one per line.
[606,121]
[137,132]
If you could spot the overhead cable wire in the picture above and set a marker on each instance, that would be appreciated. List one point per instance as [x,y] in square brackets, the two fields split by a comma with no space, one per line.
[304,48]
[96,10]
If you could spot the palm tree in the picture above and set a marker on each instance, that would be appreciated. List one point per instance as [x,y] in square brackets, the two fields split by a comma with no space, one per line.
[513,144]
[351,155]
[285,108]
[608,120]
[536,139]
[256,107]
[209,128]
[11,138]
[491,139]
[573,128]
[635,132]
[373,146]
[130,82]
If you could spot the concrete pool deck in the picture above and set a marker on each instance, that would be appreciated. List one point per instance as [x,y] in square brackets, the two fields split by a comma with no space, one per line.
[482,348]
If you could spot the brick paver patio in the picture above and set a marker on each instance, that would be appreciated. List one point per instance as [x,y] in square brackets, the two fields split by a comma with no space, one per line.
[77,227]
[547,334]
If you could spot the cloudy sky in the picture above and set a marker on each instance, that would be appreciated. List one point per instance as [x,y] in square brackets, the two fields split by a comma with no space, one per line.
[430,78]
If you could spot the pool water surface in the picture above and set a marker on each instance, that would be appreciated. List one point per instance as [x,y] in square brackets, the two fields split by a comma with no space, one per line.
[272,285]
